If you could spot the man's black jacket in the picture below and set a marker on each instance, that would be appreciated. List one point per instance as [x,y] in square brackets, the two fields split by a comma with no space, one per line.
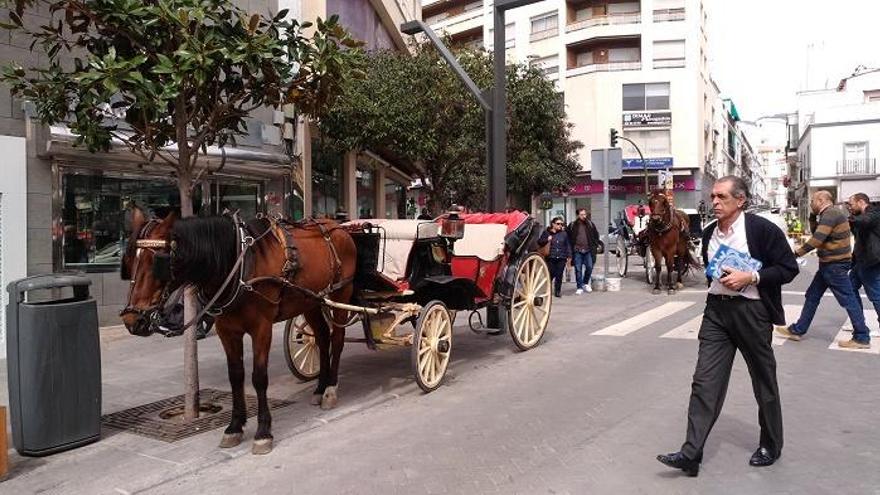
[768,245]
[592,234]
[866,229]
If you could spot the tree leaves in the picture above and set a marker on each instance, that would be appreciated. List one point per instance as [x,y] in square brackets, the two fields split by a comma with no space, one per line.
[185,72]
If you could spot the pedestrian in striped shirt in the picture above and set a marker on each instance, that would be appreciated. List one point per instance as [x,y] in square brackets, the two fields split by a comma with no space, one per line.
[831,239]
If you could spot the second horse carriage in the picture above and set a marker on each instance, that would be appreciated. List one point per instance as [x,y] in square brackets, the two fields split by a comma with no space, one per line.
[628,238]
[413,277]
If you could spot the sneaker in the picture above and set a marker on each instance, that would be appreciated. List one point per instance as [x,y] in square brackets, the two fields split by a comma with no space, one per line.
[588,288]
[788,333]
[579,291]
[853,344]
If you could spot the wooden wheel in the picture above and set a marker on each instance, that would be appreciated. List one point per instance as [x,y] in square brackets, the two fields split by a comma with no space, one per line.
[301,349]
[622,256]
[650,263]
[529,309]
[432,343]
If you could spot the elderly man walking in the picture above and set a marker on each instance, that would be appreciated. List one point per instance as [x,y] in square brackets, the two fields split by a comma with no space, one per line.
[741,309]
[831,240]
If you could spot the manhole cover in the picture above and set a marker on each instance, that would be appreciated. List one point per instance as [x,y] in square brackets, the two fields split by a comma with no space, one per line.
[162,419]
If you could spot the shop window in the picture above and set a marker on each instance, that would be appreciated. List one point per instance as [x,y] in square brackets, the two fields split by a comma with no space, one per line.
[366,191]
[93,215]
[243,197]
[326,180]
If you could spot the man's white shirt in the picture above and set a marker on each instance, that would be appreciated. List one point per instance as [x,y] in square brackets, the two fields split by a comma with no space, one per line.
[735,238]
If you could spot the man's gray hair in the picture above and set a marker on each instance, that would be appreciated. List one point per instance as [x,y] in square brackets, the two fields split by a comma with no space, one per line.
[739,188]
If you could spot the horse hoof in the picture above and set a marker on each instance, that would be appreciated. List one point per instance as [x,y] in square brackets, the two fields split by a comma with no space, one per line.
[262,446]
[330,398]
[655,291]
[316,399]
[679,285]
[230,440]
[671,292]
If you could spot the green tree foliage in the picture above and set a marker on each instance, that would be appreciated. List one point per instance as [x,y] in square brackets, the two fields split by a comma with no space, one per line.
[414,110]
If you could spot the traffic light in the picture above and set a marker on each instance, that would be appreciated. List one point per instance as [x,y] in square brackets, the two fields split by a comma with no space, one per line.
[613,136]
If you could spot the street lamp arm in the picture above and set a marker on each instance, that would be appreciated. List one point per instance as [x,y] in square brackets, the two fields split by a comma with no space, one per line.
[641,157]
[416,26]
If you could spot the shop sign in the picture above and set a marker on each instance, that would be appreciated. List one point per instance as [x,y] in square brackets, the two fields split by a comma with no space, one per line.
[596,187]
[546,202]
[652,163]
[647,119]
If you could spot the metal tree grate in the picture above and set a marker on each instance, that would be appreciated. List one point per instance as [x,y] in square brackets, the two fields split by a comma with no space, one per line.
[146,420]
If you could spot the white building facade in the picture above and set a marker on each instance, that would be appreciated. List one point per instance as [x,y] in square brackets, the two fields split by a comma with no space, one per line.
[838,139]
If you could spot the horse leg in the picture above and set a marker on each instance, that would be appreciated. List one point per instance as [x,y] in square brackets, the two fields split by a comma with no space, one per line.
[658,267]
[233,346]
[261,338]
[337,342]
[315,319]
[670,269]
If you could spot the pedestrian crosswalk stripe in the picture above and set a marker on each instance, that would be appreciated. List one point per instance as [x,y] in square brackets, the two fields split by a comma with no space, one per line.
[792,313]
[845,333]
[637,322]
[689,330]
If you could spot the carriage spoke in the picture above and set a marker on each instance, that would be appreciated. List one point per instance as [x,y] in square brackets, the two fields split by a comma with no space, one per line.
[520,303]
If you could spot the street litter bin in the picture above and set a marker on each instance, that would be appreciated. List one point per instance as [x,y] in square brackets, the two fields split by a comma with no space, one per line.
[54,363]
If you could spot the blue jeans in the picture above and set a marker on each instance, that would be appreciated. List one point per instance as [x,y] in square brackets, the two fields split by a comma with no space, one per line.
[583,268]
[833,276]
[869,278]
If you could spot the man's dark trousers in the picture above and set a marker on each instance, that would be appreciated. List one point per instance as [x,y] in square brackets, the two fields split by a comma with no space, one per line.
[834,276]
[868,277]
[731,323]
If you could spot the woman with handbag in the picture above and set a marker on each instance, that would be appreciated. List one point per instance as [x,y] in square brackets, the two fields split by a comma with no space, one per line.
[559,251]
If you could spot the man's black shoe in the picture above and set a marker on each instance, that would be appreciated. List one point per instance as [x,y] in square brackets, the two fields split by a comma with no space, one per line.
[679,461]
[558,293]
[762,457]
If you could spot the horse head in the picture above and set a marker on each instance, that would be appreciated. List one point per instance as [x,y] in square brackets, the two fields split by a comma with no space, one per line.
[147,265]
[659,205]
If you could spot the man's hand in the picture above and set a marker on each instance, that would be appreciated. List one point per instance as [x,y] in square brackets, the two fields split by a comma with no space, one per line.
[735,279]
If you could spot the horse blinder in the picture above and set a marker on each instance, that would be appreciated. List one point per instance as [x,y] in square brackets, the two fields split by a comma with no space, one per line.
[162,267]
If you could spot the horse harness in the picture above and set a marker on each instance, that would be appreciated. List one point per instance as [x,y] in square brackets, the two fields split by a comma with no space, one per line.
[280,229]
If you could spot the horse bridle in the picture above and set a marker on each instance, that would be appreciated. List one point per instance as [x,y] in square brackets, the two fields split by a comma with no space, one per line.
[152,313]
[665,226]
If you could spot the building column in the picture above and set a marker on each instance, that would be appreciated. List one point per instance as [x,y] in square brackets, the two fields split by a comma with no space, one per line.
[305,153]
[380,192]
[349,184]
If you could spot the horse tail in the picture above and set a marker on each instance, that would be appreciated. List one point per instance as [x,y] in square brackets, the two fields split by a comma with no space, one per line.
[692,261]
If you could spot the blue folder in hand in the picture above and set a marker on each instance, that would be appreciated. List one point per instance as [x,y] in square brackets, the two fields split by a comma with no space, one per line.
[727,257]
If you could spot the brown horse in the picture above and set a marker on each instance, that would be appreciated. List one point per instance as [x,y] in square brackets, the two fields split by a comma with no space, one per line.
[669,239]
[251,276]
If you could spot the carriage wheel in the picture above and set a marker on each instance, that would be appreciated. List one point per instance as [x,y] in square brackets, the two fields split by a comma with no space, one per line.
[530,306]
[622,256]
[650,264]
[432,343]
[301,349]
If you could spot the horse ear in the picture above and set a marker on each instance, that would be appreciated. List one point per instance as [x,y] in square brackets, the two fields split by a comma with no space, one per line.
[138,219]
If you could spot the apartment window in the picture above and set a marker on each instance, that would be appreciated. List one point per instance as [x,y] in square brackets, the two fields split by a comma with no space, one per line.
[544,24]
[855,151]
[584,58]
[668,4]
[623,8]
[654,143]
[628,54]
[548,65]
[669,53]
[873,95]
[654,96]
[473,6]
[509,35]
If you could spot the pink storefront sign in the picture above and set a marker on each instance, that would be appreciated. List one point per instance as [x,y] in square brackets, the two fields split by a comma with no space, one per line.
[597,187]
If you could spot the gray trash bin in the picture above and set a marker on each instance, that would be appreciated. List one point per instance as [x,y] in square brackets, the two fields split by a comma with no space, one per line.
[54,364]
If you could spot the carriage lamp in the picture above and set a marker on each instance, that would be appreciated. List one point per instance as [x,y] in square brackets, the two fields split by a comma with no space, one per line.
[452,227]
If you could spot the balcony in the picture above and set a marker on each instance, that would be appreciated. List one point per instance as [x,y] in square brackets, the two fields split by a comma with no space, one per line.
[863,166]
[603,67]
[454,17]
[605,20]
[669,15]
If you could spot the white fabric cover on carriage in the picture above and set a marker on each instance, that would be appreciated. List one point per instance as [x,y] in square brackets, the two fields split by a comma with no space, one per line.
[399,236]
[483,240]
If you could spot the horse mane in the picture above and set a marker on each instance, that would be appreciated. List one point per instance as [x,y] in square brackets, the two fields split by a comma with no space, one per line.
[205,250]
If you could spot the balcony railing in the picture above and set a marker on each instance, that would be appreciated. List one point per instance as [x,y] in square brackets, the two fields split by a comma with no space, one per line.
[605,20]
[669,63]
[603,67]
[864,166]
[543,35]
[666,15]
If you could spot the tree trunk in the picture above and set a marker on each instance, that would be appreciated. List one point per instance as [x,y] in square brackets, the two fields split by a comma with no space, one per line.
[190,344]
